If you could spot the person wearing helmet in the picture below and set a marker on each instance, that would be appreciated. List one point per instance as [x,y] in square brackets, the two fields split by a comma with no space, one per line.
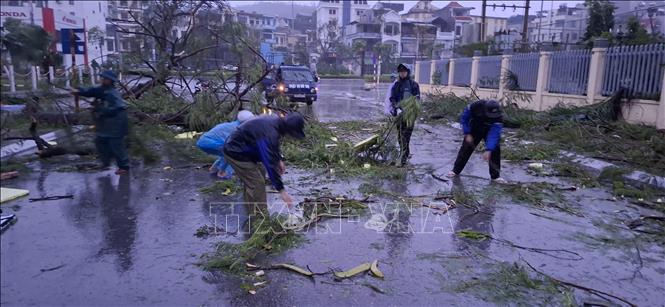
[481,120]
[254,148]
[403,88]
[212,142]
[111,123]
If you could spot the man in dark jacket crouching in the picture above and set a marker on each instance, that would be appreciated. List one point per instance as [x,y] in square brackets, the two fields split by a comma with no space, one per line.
[254,145]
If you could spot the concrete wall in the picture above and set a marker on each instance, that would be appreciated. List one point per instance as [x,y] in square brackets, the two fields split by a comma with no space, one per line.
[647,112]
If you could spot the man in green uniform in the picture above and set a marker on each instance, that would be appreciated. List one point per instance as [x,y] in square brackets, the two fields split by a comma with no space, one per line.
[110,114]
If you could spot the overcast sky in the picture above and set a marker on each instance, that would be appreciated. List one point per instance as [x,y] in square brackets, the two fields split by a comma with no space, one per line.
[535,5]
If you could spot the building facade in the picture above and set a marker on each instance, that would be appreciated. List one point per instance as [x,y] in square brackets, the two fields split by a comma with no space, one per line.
[564,24]
[54,16]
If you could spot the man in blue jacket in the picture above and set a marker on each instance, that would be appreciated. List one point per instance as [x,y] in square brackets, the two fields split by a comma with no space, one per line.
[403,88]
[481,120]
[212,142]
[255,145]
[111,124]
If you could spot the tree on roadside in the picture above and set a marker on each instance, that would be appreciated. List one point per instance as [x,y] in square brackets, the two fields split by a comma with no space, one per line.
[24,43]
[185,41]
[636,34]
[97,36]
[601,18]
[359,48]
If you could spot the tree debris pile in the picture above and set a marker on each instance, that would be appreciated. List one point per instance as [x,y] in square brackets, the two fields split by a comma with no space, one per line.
[322,149]
[273,234]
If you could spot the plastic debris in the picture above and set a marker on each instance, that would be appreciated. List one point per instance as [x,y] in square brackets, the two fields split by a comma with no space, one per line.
[354,271]
[377,222]
[260,273]
[252,292]
[366,166]
[6,220]
[8,175]
[251,266]
[167,168]
[535,166]
[660,200]
[7,194]
[187,135]
[261,283]
[374,268]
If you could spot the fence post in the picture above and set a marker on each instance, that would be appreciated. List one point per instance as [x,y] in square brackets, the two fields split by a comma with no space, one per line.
[92,75]
[543,78]
[474,69]
[451,71]
[39,77]
[80,72]
[432,70]
[51,76]
[12,79]
[505,66]
[67,78]
[416,71]
[660,118]
[33,77]
[596,69]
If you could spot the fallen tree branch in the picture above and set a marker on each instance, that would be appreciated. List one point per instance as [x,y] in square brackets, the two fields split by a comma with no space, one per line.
[595,292]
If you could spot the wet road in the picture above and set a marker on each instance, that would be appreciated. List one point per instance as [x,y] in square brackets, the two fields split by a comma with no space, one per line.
[130,241]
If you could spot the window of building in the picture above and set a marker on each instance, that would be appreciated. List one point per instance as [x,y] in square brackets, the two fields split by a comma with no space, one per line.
[458,30]
[71,2]
[13,3]
[124,16]
[332,12]
[359,12]
[123,2]
[110,45]
[99,4]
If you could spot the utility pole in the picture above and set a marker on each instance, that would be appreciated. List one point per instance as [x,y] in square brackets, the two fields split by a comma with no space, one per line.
[525,27]
[483,26]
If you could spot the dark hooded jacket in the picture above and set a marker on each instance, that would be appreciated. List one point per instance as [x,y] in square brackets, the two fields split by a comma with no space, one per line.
[258,140]
[110,113]
[403,88]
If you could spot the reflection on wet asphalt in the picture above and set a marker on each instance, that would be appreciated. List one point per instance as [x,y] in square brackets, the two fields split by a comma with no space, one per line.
[130,240]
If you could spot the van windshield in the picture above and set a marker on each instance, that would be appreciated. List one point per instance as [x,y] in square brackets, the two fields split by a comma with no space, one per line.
[297,75]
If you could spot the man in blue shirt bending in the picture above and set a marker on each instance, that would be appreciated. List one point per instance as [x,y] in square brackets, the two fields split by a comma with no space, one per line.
[481,120]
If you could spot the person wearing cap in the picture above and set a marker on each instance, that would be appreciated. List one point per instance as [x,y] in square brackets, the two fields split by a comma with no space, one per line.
[481,120]
[212,142]
[254,148]
[111,124]
[403,88]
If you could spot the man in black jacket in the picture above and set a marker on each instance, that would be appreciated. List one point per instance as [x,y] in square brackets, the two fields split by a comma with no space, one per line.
[255,144]
[403,88]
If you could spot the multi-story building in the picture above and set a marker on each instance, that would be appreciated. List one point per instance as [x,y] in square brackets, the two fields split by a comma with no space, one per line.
[121,14]
[492,25]
[562,25]
[339,13]
[459,17]
[54,16]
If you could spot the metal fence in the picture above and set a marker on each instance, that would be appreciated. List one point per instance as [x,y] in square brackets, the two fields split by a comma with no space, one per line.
[462,75]
[425,72]
[569,72]
[440,75]
[524,68]
[639,68]
[489,71]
